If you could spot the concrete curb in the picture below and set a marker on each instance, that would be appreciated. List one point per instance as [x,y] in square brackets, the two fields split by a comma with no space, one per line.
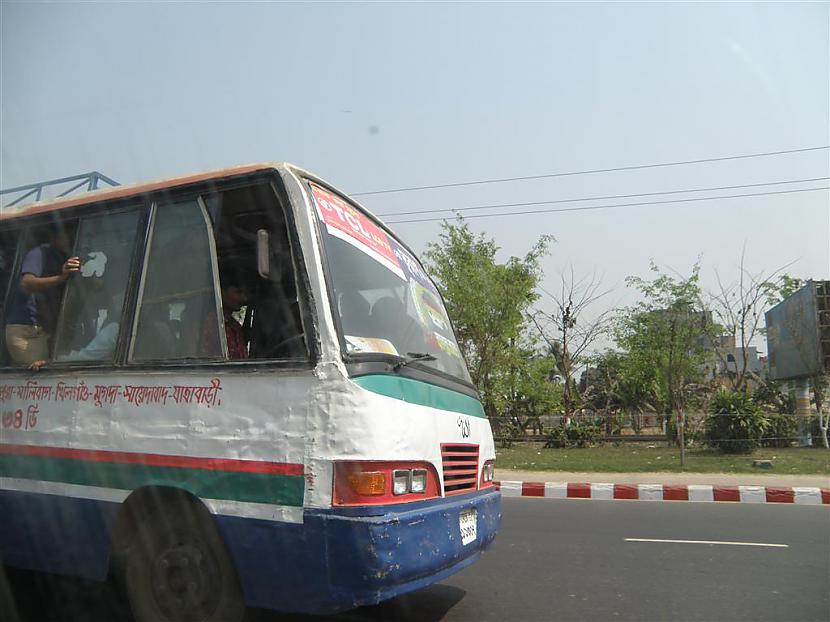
[666,492]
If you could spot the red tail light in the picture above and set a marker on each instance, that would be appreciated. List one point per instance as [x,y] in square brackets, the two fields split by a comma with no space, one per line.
[371,482]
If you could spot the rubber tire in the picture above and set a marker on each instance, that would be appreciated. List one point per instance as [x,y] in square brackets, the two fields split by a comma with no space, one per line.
[182,524]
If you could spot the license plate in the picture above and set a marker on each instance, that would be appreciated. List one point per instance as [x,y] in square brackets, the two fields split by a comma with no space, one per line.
[467,525]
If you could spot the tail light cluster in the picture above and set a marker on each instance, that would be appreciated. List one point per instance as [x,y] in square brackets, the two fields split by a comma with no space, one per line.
[369,482]
[488,472]
[379,483]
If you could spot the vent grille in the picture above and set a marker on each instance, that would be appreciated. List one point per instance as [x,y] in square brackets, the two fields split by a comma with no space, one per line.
[460,468]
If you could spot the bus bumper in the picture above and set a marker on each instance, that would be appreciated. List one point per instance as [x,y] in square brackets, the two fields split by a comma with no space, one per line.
[359,556]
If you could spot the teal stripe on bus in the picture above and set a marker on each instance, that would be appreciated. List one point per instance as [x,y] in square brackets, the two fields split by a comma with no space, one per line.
[275,489]
[421,393]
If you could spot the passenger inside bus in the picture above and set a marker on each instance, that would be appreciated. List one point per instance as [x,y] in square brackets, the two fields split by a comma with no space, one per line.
[102,345]
[234,297]
[33,312]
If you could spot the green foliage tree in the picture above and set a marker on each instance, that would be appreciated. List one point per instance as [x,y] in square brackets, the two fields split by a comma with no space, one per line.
[782,287]
[488,303]
[620,383]
[530,391]
[666,336]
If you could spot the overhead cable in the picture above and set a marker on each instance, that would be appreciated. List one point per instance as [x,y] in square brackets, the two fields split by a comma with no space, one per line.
[613,206]
[592,171]
[601,198]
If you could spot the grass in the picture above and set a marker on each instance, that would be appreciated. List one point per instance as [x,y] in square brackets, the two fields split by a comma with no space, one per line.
[645,457]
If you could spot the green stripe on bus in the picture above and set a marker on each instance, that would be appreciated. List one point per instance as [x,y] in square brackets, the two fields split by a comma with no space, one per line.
[233,486]
[422,393]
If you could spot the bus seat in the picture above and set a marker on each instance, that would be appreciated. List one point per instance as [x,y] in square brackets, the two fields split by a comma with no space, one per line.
[156,337]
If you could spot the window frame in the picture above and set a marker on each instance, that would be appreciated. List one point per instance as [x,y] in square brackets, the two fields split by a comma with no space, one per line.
[20,231]
[126,306]
[274,182]
[155,206]
[76,214]
[273,179]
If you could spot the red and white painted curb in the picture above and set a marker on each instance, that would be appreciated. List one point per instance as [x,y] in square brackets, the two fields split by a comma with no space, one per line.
[666,492]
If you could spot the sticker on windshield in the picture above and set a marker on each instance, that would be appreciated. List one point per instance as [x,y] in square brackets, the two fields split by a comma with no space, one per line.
[447,345]
[428,306]
[352,226]
[370,344]
[412,269]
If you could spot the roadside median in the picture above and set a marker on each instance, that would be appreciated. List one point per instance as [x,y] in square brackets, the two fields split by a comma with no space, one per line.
[667,486]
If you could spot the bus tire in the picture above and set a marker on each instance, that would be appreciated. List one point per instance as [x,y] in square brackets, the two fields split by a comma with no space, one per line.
[179,570]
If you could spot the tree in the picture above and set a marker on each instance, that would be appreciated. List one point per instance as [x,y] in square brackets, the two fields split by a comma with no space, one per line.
[782,287]
[532,392]
[569,330]
[487,302]
[621,383]
[739,308]
[668,333]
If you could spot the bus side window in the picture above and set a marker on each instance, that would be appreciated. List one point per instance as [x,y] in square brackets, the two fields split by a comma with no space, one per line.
[31,315]
[90,319]
[178,306]
[8,251]
[261,313]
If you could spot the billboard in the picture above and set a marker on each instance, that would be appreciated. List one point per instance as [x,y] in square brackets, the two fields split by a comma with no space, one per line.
[798,333]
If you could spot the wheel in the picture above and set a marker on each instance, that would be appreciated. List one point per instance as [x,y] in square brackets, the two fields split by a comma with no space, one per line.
[179,570]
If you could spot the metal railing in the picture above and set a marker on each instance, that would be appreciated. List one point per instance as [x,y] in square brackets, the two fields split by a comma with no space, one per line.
[36,190]
[781,428]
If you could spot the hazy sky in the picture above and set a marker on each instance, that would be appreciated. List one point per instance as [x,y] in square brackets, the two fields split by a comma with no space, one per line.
[378,96]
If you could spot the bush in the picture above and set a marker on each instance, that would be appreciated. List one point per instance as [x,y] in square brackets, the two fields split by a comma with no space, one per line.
[574,435]
[782,430]
[505,431]
[737,423]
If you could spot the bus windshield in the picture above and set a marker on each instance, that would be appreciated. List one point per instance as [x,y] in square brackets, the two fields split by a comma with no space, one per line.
[386,302]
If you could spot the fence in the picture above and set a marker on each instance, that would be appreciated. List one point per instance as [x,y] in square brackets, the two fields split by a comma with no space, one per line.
[766,430]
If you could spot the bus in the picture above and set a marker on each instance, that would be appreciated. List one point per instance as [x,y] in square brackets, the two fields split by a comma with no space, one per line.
[250,394]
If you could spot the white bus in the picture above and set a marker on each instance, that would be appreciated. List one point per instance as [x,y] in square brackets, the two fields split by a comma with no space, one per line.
[248,393]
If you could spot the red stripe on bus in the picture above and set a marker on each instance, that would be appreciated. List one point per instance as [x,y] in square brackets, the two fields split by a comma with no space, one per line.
[726,493]
[159,460]
[825,495]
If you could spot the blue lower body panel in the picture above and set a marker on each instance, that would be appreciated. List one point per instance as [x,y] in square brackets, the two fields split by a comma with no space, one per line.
[335,560]
[57,534]
[338,560]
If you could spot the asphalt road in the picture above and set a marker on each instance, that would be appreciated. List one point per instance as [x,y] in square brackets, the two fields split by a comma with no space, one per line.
[571,560]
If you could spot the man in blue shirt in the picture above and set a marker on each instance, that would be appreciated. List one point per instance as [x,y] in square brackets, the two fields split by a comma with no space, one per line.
[35,304]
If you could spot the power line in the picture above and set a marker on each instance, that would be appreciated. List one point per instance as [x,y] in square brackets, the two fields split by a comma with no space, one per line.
[601,198]
[592,171]
[618,205]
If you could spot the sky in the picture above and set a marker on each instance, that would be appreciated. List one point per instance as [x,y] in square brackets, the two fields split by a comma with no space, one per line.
[374,96]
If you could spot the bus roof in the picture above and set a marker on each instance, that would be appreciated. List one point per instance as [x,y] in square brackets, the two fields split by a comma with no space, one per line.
[121,192]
